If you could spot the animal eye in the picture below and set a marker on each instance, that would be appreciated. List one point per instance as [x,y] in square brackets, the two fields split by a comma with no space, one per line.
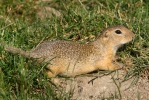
[118,32]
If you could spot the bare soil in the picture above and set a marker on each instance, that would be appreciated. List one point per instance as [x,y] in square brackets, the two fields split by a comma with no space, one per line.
[102,87]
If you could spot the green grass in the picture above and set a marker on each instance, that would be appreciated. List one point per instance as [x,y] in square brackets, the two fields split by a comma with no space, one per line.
[22,78]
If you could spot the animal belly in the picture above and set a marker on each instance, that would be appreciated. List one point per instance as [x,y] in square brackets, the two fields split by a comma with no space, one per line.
[72,71]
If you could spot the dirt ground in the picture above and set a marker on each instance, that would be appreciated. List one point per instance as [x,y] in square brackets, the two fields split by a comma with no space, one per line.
[105,86]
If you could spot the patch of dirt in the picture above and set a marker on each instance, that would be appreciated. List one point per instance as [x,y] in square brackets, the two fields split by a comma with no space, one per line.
[92,88]
[46,12]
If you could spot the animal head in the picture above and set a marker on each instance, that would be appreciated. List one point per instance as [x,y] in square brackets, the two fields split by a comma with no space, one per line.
[117,35]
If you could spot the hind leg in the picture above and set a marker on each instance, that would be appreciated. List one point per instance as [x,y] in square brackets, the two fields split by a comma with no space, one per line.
[55,80]
[52,77]
[52,71]
[50,74]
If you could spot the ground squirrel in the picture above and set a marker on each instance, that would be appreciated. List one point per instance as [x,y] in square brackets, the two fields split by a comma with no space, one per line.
[71,59]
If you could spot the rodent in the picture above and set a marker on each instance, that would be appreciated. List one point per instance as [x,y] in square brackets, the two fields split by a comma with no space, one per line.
[71,59]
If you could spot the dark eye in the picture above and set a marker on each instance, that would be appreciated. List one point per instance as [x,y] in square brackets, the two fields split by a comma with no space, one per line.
[118,32]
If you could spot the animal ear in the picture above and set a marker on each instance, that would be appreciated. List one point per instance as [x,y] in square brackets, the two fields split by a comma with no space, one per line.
[106,34]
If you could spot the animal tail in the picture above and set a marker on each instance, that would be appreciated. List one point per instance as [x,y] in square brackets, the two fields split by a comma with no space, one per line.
[15,50]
